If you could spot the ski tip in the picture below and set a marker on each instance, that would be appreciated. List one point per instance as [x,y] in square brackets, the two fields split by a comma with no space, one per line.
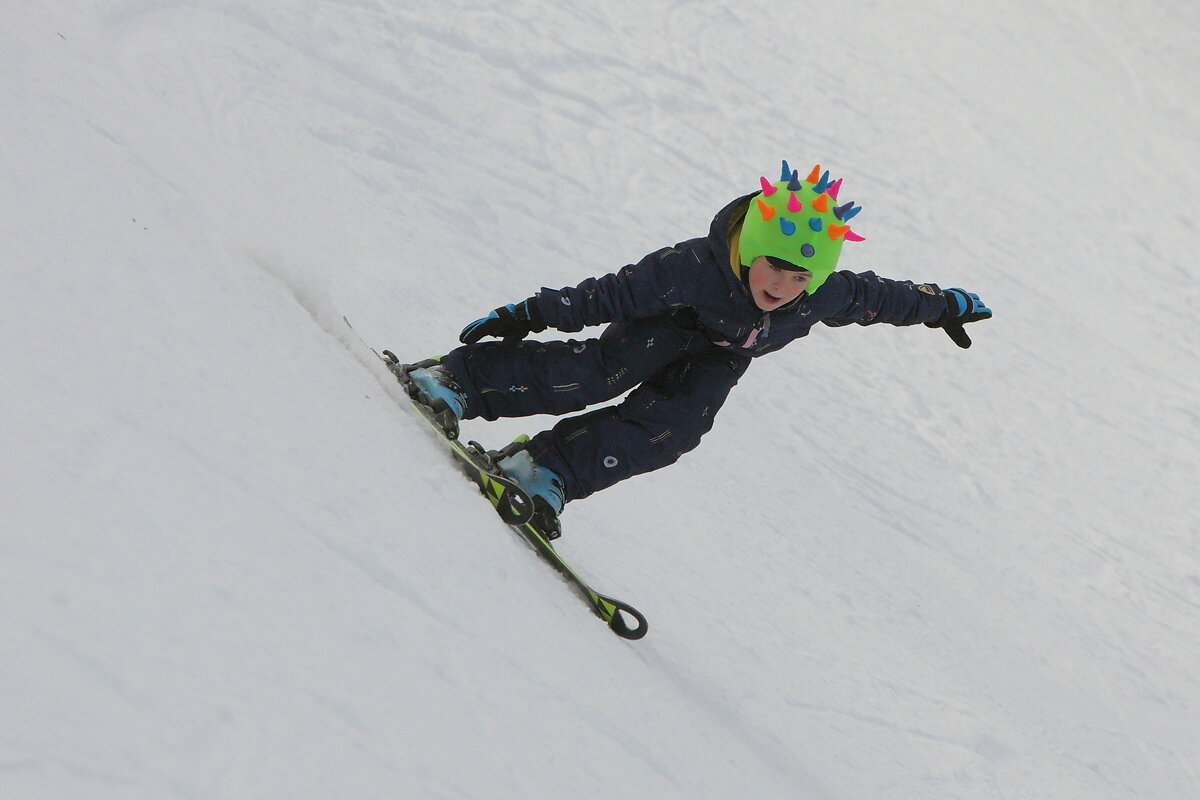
[622,628]
[618,623]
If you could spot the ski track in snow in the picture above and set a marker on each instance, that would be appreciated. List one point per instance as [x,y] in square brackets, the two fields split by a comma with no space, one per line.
[235,564]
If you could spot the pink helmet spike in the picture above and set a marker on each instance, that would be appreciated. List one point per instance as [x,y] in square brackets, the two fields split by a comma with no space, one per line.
[768,188]
[851,236]
[834,188]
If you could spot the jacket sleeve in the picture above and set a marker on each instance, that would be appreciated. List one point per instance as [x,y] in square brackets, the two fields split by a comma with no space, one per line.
[656,284]
[867,299]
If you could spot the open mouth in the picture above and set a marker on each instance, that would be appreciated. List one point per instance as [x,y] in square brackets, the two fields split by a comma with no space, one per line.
[770,297]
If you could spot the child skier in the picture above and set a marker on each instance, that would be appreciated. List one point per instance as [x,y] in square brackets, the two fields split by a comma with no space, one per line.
[683,326]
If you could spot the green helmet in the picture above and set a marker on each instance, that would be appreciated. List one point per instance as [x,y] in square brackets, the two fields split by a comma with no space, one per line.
[795,224]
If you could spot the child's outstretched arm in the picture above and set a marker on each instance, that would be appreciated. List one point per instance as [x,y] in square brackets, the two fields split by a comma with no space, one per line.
[660,282]
[867,299]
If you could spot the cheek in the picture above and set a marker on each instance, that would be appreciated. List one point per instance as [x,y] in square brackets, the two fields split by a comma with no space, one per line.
[757,280]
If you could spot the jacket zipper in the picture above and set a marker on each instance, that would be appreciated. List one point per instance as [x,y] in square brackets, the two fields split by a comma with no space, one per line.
[761,328]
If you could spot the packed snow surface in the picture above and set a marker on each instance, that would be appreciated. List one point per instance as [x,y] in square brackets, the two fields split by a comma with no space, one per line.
[233,563]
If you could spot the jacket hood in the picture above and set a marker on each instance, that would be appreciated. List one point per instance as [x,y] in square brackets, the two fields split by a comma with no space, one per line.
[724,231]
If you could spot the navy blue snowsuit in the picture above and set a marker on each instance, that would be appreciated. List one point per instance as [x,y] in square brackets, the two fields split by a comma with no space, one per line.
[683,330]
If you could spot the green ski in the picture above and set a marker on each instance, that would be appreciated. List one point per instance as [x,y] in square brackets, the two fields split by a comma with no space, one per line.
[513,504]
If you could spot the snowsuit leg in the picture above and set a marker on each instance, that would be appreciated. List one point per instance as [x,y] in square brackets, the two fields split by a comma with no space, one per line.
[658,422]
[531,377]
[684,379]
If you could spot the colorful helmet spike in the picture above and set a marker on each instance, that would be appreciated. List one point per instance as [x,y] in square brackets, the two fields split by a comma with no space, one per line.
[808,235]
[822,184]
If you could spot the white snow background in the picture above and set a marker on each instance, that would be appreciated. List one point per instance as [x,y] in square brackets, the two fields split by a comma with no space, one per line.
[233,564]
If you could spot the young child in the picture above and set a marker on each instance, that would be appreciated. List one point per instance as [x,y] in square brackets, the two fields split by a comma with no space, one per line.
[683,326]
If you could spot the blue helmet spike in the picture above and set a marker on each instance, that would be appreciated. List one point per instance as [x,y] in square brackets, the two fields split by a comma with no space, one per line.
[794,181]
[822,184]
[849,215]
[787,172]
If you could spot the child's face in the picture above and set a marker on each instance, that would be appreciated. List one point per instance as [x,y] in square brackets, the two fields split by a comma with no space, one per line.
[772,287]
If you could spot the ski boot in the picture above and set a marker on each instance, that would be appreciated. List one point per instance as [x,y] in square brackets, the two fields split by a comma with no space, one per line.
[543,485]
[436,388]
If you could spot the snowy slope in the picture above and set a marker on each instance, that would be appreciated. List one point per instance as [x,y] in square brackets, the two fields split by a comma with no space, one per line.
[233,565]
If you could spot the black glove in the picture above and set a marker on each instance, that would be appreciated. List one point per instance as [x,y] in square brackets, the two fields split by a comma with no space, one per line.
[961,307]
[511,323]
